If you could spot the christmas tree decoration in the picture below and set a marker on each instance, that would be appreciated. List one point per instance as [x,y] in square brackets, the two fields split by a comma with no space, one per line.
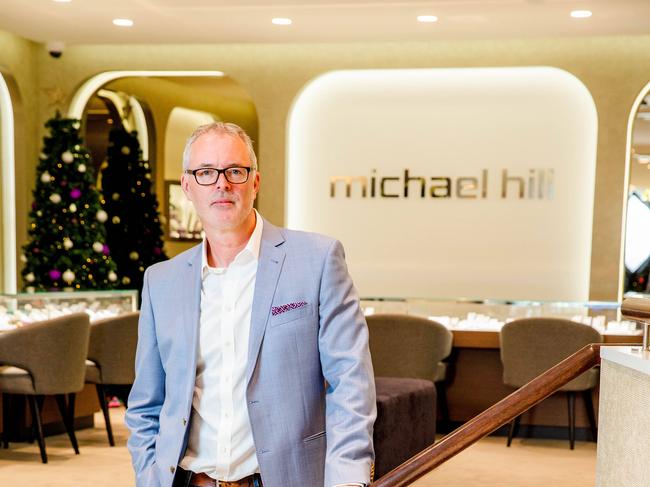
[68,276]
[63,223]
[98,247]
[101,216]
[81,168]
[112,276]
[134,232]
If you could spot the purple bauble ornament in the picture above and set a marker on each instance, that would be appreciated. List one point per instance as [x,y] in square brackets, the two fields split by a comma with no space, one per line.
[106,250]
[55,274]
[75,194]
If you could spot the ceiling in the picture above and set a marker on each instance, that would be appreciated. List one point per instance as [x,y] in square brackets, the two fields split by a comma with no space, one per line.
[236,21]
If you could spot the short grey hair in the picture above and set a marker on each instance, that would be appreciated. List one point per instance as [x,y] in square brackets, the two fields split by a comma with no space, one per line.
[225,128]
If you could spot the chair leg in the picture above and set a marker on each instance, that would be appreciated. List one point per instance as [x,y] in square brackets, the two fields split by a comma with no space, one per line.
[67,413]
[107,419]
[591,414]
[5,420]
[571,405]
[36,420]
[441,390]
[514,427]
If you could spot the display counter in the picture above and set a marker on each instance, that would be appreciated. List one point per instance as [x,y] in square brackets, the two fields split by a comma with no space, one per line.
[24,308]
[624,435]
[475,381]
[21,309]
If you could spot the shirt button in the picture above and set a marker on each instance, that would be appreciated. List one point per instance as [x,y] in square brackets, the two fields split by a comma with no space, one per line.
[184,421]
[172,469]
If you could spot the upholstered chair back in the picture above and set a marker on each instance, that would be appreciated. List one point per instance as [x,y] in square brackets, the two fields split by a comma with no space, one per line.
[407,346]
[530,346]
[52,351]
[112,347]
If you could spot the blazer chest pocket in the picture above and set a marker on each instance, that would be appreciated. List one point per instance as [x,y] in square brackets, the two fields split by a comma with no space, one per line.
[290,315]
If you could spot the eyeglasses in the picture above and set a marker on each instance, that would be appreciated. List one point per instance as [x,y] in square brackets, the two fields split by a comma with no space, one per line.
[207,176]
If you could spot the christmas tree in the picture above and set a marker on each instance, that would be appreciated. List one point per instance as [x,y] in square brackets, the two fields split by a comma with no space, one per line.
[133,227]
[67,240]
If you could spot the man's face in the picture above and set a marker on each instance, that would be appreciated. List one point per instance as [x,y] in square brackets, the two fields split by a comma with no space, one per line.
[223,205]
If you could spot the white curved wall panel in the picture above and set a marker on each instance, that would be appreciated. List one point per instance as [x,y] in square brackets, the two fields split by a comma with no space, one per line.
[502,167]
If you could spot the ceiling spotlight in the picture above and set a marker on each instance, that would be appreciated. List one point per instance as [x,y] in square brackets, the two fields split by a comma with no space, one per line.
[281,21]
[581,14]
[427,18]
[123,22]
[63,1]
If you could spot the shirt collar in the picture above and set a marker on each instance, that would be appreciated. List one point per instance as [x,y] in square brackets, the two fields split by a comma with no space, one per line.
[252,248]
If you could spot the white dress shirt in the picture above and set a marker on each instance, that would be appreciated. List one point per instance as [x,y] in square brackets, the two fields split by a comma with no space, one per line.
[220,440]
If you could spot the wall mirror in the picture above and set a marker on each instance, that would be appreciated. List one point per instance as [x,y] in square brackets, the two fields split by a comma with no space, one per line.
[636,261]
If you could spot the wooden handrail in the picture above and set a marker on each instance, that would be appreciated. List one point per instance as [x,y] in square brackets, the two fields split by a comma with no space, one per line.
[492,418]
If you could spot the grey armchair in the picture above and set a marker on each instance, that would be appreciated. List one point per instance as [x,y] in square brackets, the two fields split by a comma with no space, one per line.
[531,346]
[46,358]
[111,359]
[411,346]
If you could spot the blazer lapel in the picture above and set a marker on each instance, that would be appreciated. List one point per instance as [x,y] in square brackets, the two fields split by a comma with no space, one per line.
[270,263]
[190,290]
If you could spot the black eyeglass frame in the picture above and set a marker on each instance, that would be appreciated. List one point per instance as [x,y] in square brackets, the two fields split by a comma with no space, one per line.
[219,172]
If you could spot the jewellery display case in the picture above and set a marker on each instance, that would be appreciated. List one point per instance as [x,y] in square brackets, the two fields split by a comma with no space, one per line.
[490,315]
[24,308]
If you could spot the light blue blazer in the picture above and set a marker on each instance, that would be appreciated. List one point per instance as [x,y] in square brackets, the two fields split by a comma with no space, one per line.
[310,390]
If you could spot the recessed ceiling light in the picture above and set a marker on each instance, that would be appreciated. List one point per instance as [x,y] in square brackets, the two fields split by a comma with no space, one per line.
[281,21]
[63,1]
[427,18]
[581,14]
[123,22]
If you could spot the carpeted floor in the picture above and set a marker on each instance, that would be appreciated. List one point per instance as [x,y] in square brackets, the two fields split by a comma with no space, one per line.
[489,463]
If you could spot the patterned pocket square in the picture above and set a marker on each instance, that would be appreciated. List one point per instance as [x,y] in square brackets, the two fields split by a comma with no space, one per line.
[276,310]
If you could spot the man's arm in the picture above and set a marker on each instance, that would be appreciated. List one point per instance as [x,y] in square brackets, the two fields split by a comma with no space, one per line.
[146,397]
[345,359]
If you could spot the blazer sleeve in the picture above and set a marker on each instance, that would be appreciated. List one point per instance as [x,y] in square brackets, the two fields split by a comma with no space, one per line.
[345,359]
[146,397]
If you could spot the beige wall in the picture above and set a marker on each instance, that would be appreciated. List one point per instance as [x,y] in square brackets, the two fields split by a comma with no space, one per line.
[613,69]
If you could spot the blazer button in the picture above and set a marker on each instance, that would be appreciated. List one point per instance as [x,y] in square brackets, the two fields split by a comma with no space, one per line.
[184,421]
[172,469]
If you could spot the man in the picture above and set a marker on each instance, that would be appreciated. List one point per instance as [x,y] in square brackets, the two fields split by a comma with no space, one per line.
[252,364]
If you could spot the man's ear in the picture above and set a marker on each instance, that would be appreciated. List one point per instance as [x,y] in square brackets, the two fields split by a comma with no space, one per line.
[185,185]
[256,183]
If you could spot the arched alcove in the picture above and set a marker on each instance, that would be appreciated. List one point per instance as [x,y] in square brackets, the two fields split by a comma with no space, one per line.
[635,233]
[160,95]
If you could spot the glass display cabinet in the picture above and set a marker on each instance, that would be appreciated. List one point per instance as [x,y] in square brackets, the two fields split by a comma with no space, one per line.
[490,315]
[23,308]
